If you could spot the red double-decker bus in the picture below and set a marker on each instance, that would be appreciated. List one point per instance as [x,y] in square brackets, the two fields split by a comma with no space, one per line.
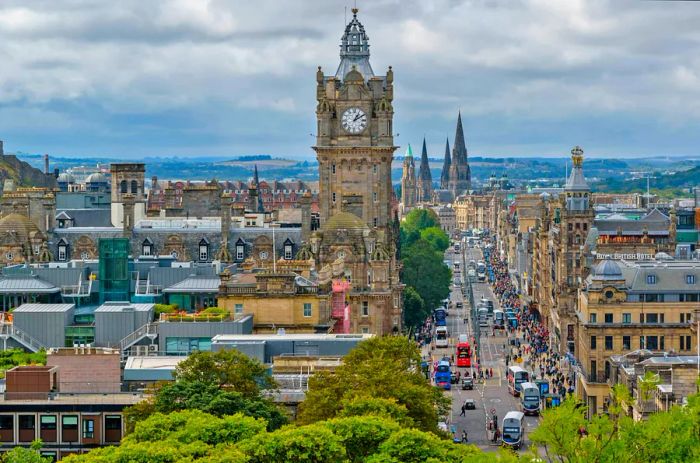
[464,354]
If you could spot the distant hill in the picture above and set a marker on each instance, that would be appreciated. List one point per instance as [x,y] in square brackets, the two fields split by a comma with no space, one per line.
[683,179]
[22,173]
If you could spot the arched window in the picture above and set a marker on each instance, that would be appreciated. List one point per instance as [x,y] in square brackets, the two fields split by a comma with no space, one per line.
[204,250]
[240,249]
[123,187]
[134,187]
[147,247]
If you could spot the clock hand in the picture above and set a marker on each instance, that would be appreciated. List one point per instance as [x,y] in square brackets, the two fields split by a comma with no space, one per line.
[357,117]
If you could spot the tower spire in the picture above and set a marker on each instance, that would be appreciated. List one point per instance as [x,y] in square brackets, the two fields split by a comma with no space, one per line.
[460,148]
[425,179]
[445,175]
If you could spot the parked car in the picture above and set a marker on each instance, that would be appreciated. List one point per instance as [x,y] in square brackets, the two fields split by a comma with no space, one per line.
[453,378]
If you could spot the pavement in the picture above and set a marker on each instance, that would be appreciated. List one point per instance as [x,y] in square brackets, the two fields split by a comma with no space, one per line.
[491,395]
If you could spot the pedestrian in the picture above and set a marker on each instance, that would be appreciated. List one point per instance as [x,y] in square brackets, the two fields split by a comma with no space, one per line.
[473,374]
[491,372]
[464,436]
[464,410]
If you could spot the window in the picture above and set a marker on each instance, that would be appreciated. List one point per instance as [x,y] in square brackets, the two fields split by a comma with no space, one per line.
[626,343]
[365,309]
[374,221]
[113,428]
[642,344]
[626,318]
[307,309]
[238,309]
[374,169]
[374,196]
[592,318]
[134,187]
[7,428]
[288,251]
[651,279]
[653,297]
[123,187]
[652,318]
[608,342]
[203,250]
[333,196]
[652,342]
[240,252]
[369,277]
[662,343]
[48,428]
[88,429]
[48,422]
[593,342]
[333,168]
[594,371]
[608,318]
[685,343]
[690,279]
[609,294]
[146,248]
[364,330]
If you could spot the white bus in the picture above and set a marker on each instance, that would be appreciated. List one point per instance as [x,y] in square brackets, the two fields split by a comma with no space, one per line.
[513,429]
[516,376]
[441,336]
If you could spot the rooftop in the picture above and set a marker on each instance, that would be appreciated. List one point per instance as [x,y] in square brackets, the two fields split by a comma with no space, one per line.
[36,308]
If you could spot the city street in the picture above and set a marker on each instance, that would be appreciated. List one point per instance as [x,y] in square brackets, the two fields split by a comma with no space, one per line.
[491,394]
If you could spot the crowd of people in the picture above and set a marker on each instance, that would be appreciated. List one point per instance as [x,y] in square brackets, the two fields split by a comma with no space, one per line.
[544,361]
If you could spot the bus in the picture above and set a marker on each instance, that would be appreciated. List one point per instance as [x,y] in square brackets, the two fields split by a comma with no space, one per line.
[516,376]
[513,429]
[443,375]
[530,398]
[440,315]
[441,336]
[464,353]
[499,319]
[481,271]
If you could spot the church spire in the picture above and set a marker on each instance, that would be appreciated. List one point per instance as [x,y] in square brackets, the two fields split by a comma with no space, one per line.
[460,147]
[425,178]
[445,175]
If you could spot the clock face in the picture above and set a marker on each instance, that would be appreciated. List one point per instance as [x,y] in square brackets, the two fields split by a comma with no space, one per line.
[354,120]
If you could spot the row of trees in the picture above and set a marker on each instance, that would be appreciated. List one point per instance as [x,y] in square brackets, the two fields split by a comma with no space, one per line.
[427,278]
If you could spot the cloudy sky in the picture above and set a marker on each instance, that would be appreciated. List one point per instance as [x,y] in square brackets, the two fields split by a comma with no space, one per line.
[134,78]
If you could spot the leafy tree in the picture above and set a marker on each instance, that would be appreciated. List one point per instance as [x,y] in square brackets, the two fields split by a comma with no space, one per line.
[414,446]
[307,444]
[381,367]
[424,270]
[376,406]
[25,455]
[227,369]
[362,435]
[436,237]
[414,310]
[186,395]
[420,219]
[647,384]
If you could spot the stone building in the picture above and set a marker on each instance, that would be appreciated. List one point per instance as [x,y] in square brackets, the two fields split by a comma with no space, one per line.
[448,218]
[355,248]
[476,211]
[630,306]
[424,181]
[408,181]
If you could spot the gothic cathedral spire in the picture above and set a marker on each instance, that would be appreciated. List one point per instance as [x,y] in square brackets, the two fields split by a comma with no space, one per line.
[460,174]
[424,183]
[445,175]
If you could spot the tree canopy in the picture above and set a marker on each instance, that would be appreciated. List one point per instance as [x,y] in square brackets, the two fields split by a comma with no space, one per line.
[381,367]
[424,270]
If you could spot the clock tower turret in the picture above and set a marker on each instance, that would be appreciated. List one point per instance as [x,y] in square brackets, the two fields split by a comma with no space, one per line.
[354,141]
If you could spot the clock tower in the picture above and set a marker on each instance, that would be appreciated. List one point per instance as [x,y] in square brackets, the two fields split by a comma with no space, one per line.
[354,142]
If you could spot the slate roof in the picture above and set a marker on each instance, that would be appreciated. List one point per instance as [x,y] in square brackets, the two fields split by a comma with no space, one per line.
[87,217]
[26,284]
[656,223]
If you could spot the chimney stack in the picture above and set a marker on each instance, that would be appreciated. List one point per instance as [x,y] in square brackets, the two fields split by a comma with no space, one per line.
[46,164]
[2,149]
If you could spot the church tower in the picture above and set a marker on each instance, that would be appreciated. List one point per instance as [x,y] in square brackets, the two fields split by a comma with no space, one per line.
[445,175]
[460,174]
[424,182]
[408,180]
[354,141]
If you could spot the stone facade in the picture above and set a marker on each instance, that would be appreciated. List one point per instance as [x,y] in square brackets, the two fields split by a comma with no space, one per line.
[408,181]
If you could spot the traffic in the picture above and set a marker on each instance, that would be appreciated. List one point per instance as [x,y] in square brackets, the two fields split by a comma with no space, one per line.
[478,347]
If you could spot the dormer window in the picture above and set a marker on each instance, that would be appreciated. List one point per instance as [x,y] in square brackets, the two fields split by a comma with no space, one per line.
[240,250]
[62,250]
[147,248]
[690,279]
[288,250]
[651,279]
[203,250]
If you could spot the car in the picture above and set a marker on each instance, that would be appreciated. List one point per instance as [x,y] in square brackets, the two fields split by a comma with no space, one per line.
[483,323]
[467,384]
[470,404]
[453,378]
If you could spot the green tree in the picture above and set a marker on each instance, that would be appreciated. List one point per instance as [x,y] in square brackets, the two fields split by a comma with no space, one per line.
[376,406]
[25,455]
[414,446]
[186,395]
[307,444]
[362,435]
[414,310]
[381,367]
[420,219]
[227,369]
[437,238]
[424,270]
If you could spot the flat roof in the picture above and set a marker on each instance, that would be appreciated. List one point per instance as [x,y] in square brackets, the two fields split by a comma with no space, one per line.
[31,308]
[153,362]
[290,337]
[120,306]
[126,398]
